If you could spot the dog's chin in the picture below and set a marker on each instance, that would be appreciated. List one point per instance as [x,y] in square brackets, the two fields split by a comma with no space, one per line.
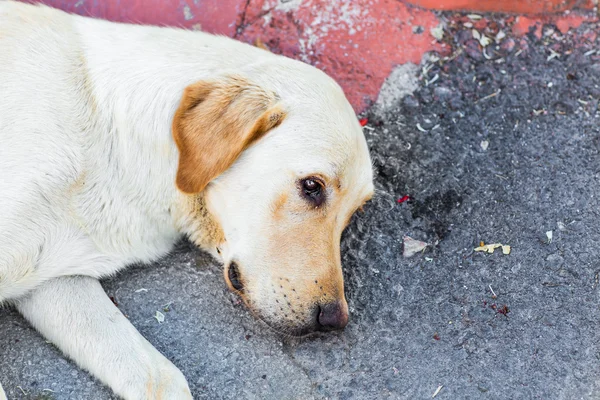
[284,329]
[300,332]
[292,331]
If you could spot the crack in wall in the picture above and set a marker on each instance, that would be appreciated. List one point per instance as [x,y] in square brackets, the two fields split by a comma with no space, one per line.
[244,23]
[239,28]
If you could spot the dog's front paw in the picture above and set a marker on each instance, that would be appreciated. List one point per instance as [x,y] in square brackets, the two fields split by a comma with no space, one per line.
[160,381]
[168,384]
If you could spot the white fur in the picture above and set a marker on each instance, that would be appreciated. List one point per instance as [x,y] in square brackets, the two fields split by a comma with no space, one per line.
[87,171]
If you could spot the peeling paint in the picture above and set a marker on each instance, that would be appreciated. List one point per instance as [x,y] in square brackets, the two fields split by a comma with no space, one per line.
[337,15]
[401,82]
[187,13]
[287,5]
[358,42]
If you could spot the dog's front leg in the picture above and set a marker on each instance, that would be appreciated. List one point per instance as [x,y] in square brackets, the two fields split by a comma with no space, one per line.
[78,317]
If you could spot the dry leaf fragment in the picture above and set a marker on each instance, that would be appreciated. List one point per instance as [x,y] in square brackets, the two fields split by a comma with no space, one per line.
[412,246]
[553,54]
[484,41]
[501,35]
[437,32]
[160,317]
[489,248]
[480,37]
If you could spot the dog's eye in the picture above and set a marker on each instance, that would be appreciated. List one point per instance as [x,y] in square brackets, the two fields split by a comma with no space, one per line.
[313,189]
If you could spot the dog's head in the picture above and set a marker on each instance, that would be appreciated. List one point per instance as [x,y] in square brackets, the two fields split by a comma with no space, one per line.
[273,171]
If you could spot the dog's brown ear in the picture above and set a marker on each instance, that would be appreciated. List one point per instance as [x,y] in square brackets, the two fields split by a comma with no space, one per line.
[215,122]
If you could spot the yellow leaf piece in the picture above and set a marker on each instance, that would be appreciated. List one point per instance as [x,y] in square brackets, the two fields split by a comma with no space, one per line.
[489,248]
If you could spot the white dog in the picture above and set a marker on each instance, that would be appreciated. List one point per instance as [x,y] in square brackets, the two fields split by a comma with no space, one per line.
[115,140]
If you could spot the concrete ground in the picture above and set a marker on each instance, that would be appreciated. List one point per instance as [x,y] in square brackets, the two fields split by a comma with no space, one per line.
[501,146]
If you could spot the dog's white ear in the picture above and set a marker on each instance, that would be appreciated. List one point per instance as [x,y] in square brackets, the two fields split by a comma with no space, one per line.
[215,122]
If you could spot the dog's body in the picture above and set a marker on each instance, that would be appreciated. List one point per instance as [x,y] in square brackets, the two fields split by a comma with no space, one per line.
[104,161]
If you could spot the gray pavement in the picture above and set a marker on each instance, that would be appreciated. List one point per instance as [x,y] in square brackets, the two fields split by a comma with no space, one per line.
[430,320]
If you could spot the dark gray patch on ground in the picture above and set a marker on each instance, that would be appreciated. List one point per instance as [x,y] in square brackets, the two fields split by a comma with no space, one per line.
[416,324]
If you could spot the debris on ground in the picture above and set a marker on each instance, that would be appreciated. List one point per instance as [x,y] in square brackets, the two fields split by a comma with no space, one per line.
[503,310]
[489,248]
[494,295]
[403,199]
[437,391]
[160,317]
[412,246]
[437,32]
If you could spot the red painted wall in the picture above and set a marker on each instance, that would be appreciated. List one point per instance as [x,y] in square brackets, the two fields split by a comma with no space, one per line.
[217,16]
[507,6]
[358,42]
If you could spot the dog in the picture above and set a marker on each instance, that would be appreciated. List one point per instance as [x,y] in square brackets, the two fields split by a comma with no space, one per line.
[117,140]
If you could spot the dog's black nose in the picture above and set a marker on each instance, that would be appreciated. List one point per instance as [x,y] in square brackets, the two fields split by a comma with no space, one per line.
[332,316]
